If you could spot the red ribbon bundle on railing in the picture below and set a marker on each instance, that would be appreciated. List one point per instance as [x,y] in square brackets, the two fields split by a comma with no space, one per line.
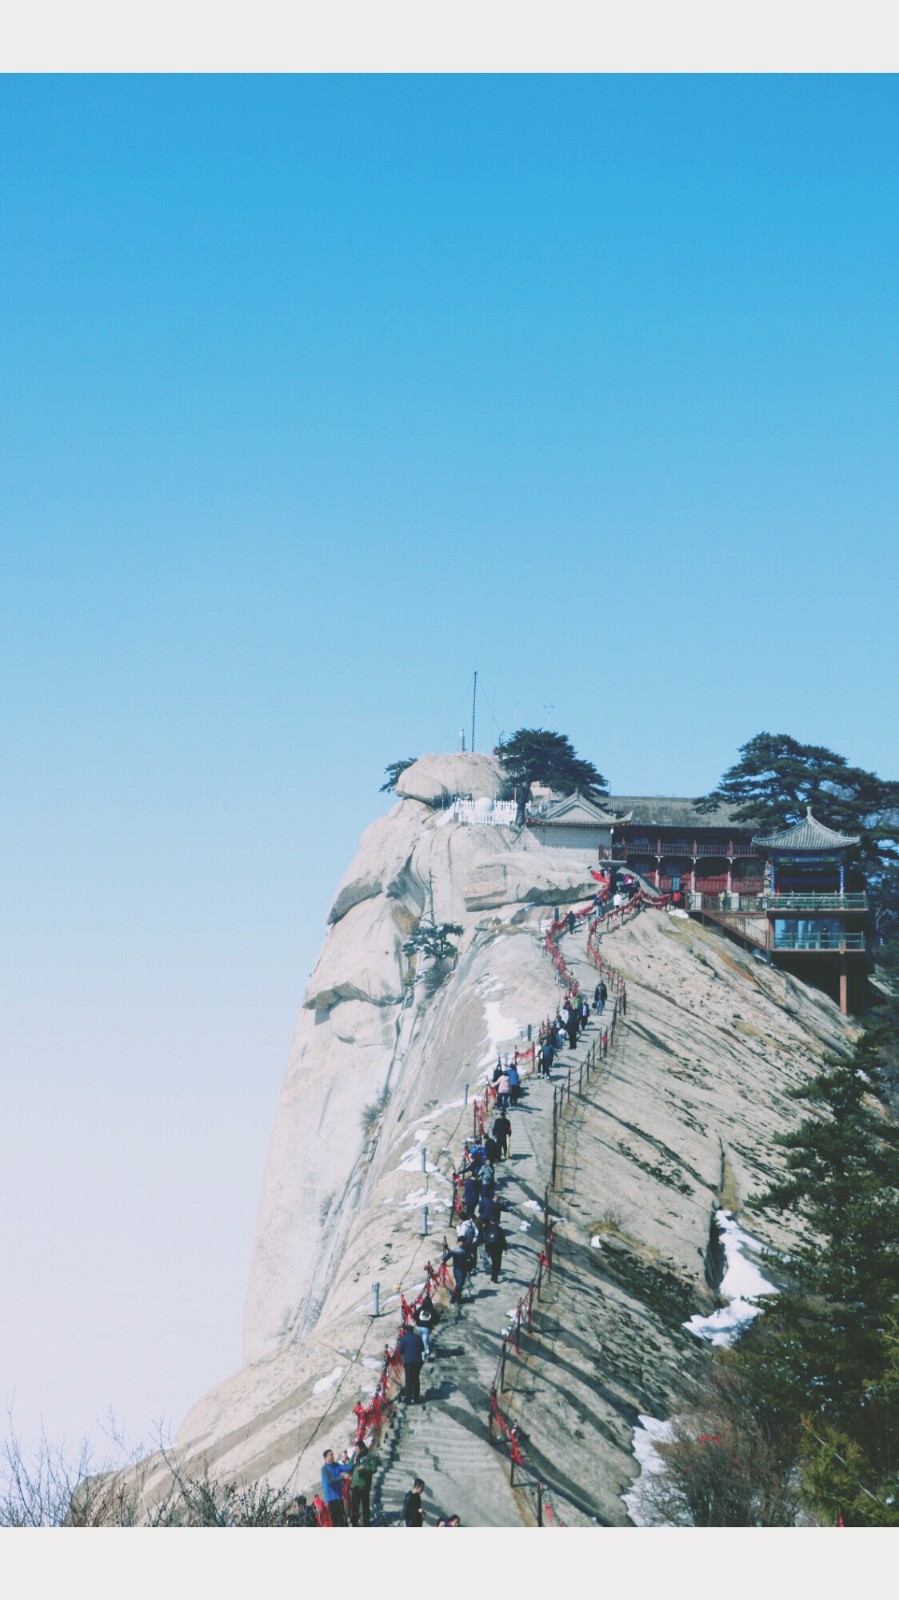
[370,1418]
[552,1516]
[508,1429]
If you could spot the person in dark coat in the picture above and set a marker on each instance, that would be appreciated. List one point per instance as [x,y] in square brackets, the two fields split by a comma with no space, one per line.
[571,919]
[412,1350]
[301,1514]
[502,1129]
[486,1206]
[364,1468]
[495,1242]
[475,1158]
[469,1196]
[459,1258]
[583,1012]
[573,1028]
[547,1056]
[492,1149]
[413,1514]
[600,996]
[424,1321]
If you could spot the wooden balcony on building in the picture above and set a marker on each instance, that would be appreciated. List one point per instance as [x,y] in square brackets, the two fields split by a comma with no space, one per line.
[753,901]
[724,849]
[815,902]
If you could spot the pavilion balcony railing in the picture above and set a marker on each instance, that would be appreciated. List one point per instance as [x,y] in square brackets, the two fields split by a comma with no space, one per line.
[717,900]
[816,902]
[835,942]
[724,849]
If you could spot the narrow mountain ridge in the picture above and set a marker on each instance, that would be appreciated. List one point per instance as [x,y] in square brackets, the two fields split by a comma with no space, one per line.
[682,1117]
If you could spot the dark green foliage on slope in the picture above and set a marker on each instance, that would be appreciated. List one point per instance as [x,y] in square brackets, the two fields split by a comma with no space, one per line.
[434,940]
[825,1356]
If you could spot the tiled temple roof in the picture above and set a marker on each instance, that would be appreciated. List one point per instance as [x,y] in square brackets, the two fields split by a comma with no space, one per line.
[809,834]
[667,811]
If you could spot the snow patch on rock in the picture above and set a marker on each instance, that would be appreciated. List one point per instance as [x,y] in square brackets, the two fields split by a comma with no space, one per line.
[740,1286]
[329,1380]
[648,1434]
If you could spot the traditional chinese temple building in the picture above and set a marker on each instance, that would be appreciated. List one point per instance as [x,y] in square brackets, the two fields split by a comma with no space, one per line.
[811,916]
[678,848]
[573,823]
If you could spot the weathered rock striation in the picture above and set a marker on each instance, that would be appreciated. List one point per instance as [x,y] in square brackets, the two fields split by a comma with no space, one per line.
[376,1072]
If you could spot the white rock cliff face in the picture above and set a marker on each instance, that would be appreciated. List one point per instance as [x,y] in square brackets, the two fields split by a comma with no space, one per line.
[377,1067]
[354,1029]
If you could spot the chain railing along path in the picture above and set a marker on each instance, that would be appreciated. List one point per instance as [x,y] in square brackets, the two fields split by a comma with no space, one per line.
[474,1344]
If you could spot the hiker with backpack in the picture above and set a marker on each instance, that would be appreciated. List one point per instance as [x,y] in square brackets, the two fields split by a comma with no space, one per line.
[459,1258]
[424,1321]
[467,1237]
[364,1468]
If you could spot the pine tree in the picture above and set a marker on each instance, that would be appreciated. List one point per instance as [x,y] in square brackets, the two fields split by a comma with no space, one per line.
[826,1354]
[394,771]
[535,755]
[777,778]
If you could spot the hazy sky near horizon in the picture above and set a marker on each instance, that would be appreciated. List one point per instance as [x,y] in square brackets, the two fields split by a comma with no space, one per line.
[320,393]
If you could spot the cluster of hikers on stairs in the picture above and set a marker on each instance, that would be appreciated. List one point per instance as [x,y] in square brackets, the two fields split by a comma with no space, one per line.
[346,1483]
[568,1024]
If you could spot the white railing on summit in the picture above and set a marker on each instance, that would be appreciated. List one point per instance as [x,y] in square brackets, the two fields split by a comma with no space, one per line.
[487,812]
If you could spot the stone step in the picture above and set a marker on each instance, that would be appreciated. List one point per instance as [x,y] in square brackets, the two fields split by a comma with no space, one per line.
[445,1440]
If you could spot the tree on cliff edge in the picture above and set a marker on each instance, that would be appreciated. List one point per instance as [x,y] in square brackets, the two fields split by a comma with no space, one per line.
[534,755]
[394,771]
[777,778]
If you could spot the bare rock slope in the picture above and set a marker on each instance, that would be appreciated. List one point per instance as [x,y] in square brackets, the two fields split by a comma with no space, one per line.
[694,1092]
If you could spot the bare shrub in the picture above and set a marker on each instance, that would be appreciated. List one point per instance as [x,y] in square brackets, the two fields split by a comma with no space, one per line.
[55,1489]
[724,1467]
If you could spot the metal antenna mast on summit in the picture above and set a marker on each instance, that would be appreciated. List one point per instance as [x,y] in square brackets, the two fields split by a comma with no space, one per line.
[474,701]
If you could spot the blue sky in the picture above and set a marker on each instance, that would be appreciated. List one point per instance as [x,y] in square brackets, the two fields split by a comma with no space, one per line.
[318,394]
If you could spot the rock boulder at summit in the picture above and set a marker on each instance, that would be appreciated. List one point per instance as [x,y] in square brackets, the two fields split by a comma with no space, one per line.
[523,876]
[437,778]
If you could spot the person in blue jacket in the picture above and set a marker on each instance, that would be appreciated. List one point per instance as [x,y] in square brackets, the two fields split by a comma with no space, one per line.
[333,1473]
